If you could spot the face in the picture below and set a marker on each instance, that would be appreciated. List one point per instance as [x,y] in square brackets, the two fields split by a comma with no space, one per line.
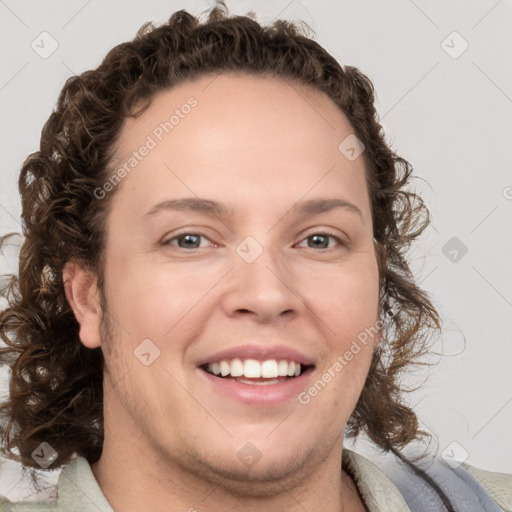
[239,241]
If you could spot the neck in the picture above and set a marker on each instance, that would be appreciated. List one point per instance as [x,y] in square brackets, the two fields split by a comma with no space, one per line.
[135,473]
[132,481]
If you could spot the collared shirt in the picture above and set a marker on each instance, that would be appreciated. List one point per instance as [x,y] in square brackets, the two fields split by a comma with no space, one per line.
[78,491]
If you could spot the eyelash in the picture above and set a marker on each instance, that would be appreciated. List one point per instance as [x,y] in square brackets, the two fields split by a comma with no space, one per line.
[322,233]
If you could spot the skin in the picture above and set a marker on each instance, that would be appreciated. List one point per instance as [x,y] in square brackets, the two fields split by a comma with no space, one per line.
[259,145]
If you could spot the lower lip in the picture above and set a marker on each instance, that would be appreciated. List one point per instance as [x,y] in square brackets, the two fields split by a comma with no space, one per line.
[268,394]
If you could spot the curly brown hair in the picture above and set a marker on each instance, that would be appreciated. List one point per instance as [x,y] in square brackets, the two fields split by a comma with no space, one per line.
[56,388]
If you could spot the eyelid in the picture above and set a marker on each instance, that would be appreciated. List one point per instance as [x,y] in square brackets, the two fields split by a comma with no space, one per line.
[315,231]
[167,241]
[328,233]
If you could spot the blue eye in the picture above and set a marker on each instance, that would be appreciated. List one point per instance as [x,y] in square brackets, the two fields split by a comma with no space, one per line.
[193,241]
[190,240]
[321,240]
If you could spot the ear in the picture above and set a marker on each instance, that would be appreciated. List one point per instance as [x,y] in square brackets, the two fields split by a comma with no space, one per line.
[80,285]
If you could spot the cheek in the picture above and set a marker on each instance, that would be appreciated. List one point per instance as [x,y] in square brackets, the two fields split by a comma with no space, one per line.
[347,300]
[156,301]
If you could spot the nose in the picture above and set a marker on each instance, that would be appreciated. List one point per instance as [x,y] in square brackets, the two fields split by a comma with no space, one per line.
[261,285]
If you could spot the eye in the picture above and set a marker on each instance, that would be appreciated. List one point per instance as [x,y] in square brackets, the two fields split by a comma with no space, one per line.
[186,241]
[192,241]
[321,240]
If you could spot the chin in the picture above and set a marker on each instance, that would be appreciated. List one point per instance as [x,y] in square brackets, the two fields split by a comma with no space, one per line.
[257,468]
[262,479]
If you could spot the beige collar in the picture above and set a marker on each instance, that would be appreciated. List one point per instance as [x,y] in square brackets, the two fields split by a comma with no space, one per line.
[77,485]
[379,493]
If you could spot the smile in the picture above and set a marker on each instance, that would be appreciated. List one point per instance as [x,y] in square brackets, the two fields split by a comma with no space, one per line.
[252,371]
[265,382]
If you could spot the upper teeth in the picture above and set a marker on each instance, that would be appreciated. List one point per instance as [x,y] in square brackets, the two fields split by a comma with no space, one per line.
[253,369]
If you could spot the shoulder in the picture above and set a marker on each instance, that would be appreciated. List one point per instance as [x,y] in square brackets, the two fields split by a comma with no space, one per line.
[8,506]
[498,485]
[77,489]
[386,483]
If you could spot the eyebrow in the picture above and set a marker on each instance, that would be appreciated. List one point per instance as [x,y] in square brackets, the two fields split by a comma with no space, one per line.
[214,208]
[316,206]
[191,204]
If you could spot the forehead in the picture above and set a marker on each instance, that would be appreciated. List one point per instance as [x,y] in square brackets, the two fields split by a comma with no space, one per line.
[203,111]
[258,135]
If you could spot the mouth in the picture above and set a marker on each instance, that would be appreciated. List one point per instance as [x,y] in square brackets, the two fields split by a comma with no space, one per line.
[255,372]
[257,380]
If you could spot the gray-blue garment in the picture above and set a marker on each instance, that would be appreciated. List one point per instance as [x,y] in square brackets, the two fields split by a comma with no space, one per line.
[463,490]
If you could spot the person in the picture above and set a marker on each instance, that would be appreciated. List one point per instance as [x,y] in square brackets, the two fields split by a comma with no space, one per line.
[213,287]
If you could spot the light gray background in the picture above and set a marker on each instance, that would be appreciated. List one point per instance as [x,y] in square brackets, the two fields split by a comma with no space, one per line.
[450,117]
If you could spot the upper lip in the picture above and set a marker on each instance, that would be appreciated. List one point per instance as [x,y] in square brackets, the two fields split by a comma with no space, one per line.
[258,352]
